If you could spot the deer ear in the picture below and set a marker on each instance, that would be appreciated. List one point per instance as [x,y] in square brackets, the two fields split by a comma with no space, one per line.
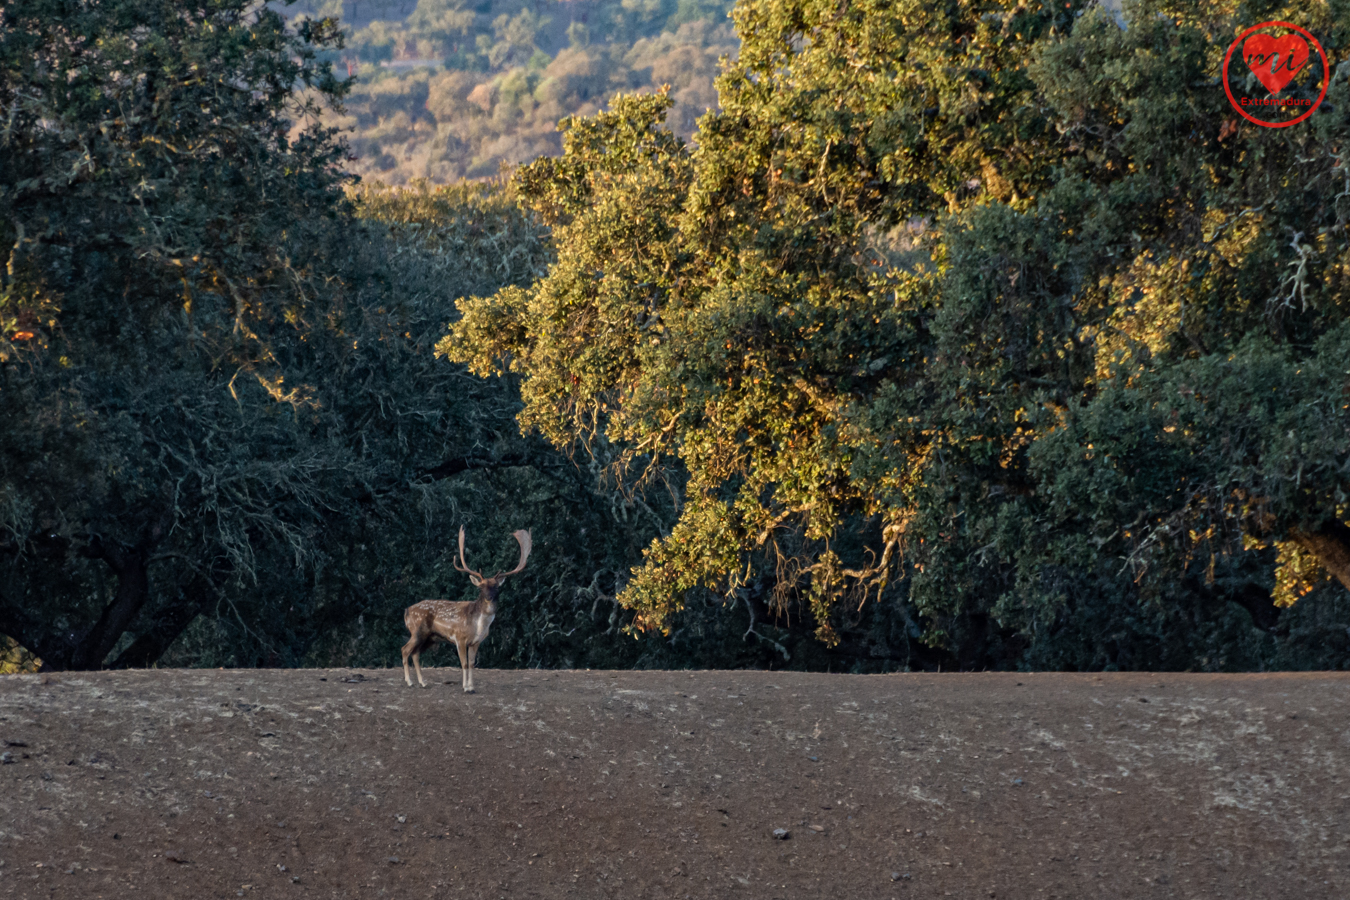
[477,582]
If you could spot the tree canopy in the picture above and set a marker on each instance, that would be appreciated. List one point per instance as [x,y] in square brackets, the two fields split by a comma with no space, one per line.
[996,313]
[222,419]
[156,210]
[224,436]
[977,334]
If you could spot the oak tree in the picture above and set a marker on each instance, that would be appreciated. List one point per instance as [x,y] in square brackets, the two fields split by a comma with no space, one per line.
[996,312]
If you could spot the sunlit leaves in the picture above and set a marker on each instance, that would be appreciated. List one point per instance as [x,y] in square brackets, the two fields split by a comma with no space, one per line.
[1100,347]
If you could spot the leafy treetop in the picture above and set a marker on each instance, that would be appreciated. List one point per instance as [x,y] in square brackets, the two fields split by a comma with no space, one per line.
[960,303]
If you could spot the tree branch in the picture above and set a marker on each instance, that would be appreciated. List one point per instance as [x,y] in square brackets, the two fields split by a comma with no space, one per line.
[131,565]
[452,467]
[1330,543]
[133,587]
[169,622]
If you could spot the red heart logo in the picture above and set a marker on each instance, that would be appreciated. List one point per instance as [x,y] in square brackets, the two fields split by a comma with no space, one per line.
[1275,60]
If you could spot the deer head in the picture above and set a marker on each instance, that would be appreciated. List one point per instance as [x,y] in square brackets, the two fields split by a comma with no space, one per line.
[488,587]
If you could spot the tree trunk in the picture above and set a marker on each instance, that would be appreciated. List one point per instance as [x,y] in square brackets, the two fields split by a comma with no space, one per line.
[1331,545]
[167,625]
[133,588]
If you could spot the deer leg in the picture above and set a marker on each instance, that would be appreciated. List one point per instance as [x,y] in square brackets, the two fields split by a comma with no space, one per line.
[417,663]
[465,668]
[473,663]
[412,648]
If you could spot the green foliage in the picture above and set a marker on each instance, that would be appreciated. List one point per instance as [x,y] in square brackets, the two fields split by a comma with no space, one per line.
[454,90]
[993,312]
[980,335]
[165,126]
[227,439]
[157,210]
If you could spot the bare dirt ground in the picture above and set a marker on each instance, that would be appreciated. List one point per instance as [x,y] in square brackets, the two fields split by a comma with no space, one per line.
[346,784]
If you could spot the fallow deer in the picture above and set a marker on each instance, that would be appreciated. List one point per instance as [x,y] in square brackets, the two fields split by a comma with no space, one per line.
[464,623]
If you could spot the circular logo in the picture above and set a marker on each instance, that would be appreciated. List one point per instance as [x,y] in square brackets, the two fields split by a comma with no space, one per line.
[1276,54]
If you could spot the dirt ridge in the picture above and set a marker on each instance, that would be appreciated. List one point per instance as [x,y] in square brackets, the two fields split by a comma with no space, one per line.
[345,783]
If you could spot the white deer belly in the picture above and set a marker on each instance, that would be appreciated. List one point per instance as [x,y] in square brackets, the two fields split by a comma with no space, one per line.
[481,624]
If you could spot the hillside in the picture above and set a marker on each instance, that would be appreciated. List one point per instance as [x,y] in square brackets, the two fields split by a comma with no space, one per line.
[344,783]
[451,89]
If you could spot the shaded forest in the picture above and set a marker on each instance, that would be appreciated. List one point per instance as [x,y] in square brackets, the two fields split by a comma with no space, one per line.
[967,336]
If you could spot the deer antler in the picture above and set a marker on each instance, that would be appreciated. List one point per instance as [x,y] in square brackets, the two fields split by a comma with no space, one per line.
[523,538]
[462,565]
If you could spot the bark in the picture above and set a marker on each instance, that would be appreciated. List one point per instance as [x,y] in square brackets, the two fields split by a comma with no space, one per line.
[131,566]
[453,467]
[1255,599]
[1330,543]
[133,588]
[167,625]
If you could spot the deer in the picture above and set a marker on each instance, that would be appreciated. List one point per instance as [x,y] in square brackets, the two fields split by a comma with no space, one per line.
[464,623]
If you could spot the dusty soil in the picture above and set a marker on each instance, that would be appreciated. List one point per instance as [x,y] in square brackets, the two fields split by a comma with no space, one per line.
[346,784]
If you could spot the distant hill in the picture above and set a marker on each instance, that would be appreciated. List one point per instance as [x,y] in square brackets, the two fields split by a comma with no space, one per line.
[451,89]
